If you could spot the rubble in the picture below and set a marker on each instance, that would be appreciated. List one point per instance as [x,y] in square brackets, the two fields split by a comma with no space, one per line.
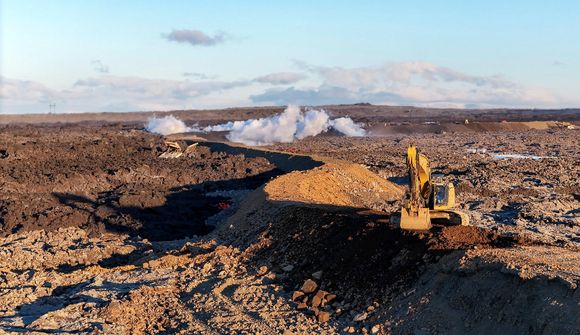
[360,317]
[309,286]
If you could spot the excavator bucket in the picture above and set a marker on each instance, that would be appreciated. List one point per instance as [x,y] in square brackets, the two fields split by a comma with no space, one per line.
[415,221]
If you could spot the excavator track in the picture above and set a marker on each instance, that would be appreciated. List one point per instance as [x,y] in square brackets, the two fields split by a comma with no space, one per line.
[450,217]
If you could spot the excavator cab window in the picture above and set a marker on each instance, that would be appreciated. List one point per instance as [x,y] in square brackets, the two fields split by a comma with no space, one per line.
[440,195]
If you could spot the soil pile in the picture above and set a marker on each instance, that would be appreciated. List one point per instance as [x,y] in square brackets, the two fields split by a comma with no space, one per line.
[336,183]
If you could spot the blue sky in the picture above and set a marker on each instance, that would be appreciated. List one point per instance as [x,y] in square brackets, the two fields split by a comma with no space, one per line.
[93,56]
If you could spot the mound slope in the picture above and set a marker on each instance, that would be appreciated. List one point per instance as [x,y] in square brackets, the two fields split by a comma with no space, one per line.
[335,183]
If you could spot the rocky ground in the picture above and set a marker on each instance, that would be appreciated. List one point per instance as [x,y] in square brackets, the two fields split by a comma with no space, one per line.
[538,193]
[101,235]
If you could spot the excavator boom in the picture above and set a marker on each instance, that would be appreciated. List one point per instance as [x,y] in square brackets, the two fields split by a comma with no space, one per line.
[415,216]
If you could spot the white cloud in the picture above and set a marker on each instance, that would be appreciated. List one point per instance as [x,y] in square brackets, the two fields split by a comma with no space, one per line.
[25,96]
[281,78]
[199,75]
[195,37]
[25,90]
[109,93]
[404,83]
[154,88]
[416,83]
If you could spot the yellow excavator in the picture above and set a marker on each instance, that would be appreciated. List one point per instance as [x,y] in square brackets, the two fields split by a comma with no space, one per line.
[430,201]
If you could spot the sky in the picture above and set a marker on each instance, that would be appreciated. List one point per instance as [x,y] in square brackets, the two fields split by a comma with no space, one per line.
[119,56]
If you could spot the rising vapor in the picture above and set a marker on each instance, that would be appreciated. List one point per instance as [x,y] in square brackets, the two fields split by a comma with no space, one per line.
[286,127]
[166,125]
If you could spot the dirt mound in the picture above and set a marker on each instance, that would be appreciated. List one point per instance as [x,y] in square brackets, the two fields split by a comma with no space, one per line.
[336,183]
[345,244]
[312,229]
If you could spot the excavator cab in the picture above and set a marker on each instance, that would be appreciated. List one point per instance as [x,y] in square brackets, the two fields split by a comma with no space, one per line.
[442,196]
[430,201]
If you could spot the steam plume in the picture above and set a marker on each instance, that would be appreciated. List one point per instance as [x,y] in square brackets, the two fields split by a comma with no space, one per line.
[286,127]
[166,125]
[346,126]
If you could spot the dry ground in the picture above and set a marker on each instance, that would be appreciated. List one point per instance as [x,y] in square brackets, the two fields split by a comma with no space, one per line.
[100,235]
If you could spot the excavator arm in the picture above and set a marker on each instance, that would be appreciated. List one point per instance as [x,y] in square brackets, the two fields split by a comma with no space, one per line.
[415,215]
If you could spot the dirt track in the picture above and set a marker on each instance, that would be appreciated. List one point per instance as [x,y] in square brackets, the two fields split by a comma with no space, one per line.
[100,235]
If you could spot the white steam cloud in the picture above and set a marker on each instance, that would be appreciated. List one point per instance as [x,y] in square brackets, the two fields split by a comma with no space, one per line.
[290,125]
[346,126]
[166,125]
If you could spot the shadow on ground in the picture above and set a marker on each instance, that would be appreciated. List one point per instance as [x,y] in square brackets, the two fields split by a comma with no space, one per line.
[358,251]
[182,211]
[507,214]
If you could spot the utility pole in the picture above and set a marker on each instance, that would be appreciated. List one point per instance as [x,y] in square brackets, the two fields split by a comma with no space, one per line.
[51,108]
